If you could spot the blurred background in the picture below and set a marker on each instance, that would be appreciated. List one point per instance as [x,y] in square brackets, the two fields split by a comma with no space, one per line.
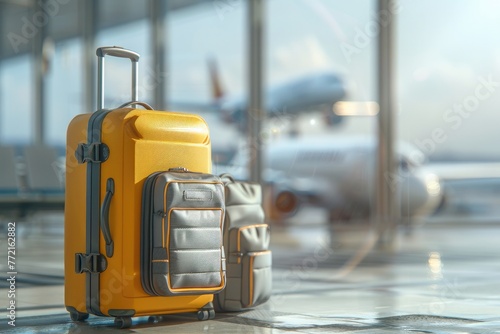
[443,49]
[195,57]
[320,99]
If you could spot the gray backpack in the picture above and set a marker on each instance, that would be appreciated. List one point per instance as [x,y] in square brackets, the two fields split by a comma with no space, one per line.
[246,241]
[182,223]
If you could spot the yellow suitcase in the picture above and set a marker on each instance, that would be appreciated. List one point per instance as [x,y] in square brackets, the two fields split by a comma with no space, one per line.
[109,155]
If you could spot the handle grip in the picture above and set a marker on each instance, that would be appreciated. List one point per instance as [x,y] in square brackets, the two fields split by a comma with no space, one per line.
[142,104]
[227,176]
[120,52]
[110,190]
[117,51]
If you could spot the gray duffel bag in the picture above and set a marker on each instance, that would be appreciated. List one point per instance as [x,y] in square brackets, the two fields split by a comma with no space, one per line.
[246,243]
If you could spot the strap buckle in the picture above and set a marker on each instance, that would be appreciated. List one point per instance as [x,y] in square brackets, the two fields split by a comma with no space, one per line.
[92,263]
[95,152]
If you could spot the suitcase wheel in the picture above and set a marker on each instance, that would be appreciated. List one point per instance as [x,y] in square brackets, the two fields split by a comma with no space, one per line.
[123,322]
[206,315]
[154,319]
[78,316]
[202,315]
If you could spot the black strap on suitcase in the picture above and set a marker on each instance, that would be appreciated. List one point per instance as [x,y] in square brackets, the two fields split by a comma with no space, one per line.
[94,152]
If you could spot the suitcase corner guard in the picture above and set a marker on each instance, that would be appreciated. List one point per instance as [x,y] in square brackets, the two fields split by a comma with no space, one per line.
[92,263]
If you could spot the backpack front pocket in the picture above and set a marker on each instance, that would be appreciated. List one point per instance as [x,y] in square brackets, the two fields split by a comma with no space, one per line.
[192,238]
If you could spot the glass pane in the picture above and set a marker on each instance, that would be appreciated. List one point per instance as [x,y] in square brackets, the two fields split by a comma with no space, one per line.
[309,43]
[319,53]
[449,94]
[64,90]
[220,41]
[16,100]
[135,36]
[207,66]
[448,78]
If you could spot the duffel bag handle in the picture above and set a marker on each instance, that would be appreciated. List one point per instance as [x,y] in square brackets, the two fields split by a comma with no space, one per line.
[227,176]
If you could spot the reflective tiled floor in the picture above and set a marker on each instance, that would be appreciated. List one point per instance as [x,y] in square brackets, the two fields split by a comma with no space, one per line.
[443,277]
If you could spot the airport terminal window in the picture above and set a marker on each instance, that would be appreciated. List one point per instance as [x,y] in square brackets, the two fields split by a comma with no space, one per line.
[324,38]
[212,33]
[448,76]
[441,271]
[321,37]
[16,100]
[204,38]
[134,36]
[65,90]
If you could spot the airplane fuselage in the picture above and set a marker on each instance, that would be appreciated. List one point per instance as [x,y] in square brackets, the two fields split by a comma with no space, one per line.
[337,173]
[314,91]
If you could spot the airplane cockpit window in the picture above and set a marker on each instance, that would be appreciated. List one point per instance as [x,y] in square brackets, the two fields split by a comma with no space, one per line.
[406,165]
[328,79]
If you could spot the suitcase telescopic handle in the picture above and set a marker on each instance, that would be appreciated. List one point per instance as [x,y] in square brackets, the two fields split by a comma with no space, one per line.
[120,52]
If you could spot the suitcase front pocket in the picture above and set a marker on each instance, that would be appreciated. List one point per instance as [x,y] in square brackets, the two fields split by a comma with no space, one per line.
[256,283]
[194,262]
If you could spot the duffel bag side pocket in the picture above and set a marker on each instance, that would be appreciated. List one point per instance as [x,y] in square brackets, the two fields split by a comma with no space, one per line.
[249,267]
[256,280]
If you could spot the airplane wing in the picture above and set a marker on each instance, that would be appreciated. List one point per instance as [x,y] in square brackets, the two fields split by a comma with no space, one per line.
[466,171]
[469,188]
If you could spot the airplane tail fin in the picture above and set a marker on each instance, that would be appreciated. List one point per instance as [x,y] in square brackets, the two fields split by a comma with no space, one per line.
[215,82]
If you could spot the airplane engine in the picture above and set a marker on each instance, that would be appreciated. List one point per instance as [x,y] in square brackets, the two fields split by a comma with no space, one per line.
[332,119]
[280,204]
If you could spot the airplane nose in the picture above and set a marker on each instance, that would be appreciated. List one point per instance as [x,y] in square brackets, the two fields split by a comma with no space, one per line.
[434,192]
[421,194]
[433,185]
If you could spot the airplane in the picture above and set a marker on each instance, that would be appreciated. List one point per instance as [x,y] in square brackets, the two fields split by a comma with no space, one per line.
[338,173]
[317,91]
